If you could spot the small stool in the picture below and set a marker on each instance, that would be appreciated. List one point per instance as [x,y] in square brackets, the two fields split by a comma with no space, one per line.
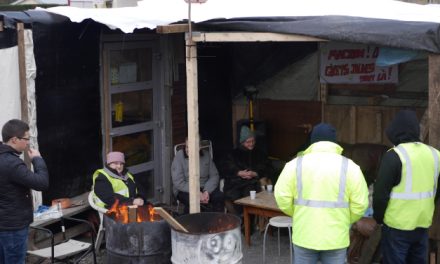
[278,221]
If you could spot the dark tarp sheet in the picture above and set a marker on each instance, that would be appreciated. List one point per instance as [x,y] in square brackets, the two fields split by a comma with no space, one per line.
[391,33]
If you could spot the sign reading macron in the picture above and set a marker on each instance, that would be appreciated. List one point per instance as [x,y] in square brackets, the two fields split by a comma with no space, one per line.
[352,63]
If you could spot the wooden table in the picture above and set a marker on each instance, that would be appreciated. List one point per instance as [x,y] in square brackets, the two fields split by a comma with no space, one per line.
[80,204]
[264,204]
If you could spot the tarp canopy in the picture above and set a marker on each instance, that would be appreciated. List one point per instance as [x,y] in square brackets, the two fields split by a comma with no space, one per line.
[381,22]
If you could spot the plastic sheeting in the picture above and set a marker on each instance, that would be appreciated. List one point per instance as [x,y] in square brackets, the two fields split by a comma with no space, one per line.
[10,91]
[380,22]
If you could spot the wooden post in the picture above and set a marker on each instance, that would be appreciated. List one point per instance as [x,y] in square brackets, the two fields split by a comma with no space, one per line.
[434,133]
[323,89]
[353,124]
[434,103]
[378,137]
[23,84]
[193,125]
[22,72]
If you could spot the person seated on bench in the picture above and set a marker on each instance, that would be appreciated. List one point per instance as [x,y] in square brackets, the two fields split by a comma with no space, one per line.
[244,168]
[115,182]
[211,198]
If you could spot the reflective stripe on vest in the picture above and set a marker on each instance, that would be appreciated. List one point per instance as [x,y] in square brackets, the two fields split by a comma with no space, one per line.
[408,194]
[340,203]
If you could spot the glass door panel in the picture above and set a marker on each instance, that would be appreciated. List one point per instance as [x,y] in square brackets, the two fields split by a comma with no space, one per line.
[131,88]
[130,65]
[137,147]
[130,108]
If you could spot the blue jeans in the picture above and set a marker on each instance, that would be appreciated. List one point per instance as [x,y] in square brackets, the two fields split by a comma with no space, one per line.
[311,256]
[13,246]
[404,247]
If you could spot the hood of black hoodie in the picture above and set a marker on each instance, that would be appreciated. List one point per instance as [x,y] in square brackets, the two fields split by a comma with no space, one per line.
[404,128]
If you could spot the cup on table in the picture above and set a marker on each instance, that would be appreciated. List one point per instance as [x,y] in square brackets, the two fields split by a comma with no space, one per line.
[269,188]
[253,194]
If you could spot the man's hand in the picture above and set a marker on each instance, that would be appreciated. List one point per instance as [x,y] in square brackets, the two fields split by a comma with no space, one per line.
[204,197]
[247,174]
[33,153]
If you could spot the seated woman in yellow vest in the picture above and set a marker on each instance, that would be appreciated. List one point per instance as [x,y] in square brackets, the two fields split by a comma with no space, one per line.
[115,182]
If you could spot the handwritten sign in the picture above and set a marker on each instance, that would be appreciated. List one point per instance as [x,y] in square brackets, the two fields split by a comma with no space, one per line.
[354,63]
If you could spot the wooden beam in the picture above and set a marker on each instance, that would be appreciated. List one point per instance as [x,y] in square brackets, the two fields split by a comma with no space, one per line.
[106,101]
[176,28]
[170,220]
[251,37]
[193,126]
[434,130]
[353,123]
[424,126]
[434,103]
[378,132]
[22,72]
[1,26]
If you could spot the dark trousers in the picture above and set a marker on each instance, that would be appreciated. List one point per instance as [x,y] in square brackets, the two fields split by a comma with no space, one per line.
[404,247]
[216,202]
[233,193]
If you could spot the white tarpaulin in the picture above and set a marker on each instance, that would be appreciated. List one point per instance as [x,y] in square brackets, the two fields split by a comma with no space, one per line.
[10,85]
[10,91]
[151,13]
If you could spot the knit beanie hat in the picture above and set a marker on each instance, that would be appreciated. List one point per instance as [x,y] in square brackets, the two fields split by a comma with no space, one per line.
[245,133]
[323,132]
[115,156]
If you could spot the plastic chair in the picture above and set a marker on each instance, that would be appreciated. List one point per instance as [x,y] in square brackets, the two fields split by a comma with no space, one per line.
[101,212]
[279,222]
[68,248]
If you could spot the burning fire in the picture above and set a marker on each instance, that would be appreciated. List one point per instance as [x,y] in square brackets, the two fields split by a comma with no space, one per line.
[127,214]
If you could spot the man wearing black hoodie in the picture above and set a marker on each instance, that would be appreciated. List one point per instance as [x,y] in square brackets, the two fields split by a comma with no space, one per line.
[15,197]
[403,198]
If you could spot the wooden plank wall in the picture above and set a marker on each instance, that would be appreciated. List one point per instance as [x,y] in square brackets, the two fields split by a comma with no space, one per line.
[362,124]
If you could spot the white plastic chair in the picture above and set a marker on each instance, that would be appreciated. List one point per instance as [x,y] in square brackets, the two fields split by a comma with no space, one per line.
[279,222]
[101,212]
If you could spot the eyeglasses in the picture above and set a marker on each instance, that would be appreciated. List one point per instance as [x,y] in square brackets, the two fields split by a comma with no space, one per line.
[23,138]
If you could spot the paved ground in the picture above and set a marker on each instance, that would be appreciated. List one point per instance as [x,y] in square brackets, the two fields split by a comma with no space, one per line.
[251,255]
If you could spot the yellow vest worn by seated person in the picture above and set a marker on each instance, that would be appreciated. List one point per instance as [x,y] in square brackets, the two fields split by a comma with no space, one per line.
[118,185]
[411,203]
[328,192]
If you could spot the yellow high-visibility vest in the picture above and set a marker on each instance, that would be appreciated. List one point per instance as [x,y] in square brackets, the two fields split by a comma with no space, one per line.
[118,186]
[324,193]
[411,203]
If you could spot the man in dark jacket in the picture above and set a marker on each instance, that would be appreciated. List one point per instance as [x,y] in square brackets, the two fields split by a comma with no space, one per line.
[16,179]
[403,198]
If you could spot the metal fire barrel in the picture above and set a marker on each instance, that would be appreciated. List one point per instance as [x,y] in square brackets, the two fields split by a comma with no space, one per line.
[212,238]
[136,243]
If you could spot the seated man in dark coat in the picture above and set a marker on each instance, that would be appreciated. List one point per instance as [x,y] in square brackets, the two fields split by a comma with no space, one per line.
[244,168]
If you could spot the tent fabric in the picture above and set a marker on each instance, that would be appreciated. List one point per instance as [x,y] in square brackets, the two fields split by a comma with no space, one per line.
[379,22]
[390,33]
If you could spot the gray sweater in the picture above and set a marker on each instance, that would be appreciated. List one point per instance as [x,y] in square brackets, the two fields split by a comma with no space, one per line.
[209,177]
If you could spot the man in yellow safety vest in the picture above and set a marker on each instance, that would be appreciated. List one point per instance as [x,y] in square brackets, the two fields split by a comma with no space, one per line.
[325,193]
[403,198]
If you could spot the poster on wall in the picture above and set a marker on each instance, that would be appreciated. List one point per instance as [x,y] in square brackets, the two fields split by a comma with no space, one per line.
[348,63]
